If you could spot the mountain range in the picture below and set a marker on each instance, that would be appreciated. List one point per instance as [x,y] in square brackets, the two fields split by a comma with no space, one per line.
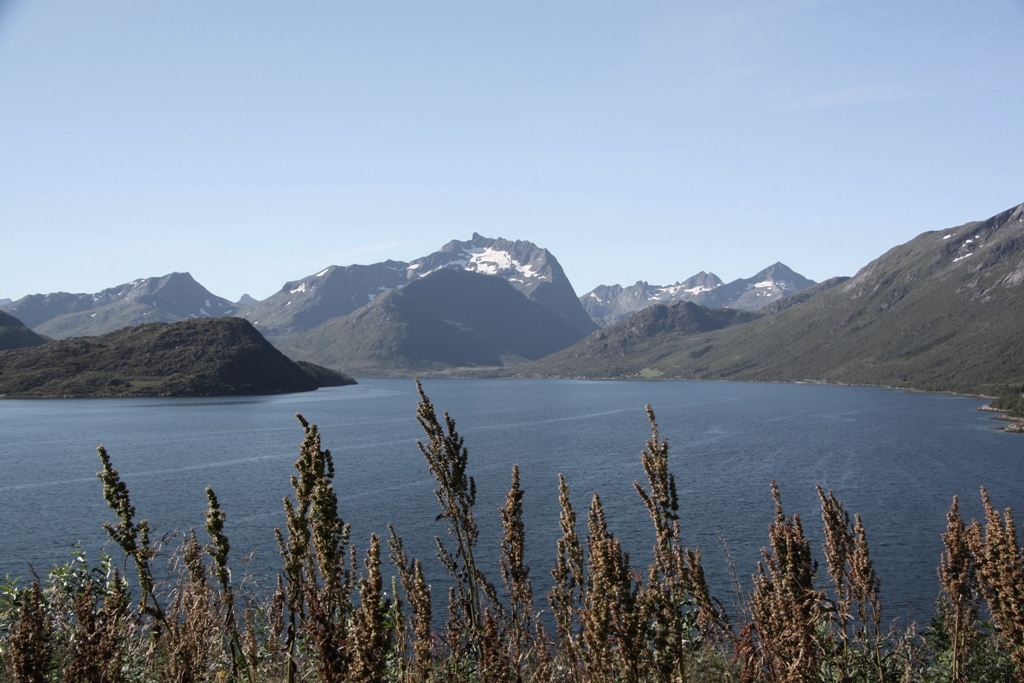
[336,291]
[608,304]
[942,312]
[170,298]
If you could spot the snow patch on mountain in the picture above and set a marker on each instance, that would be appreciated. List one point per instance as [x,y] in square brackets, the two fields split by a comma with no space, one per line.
[340,290]
[489,261]
[610,304]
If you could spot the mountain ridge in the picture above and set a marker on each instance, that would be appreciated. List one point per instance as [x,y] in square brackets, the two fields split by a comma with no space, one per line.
[168,298]
[609,304]
[940,312]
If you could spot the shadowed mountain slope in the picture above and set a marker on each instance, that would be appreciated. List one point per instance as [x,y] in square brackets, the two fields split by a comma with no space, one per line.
[451,318]
[336,291]
[15,335]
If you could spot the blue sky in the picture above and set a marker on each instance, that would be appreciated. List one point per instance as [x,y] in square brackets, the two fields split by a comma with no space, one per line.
[251,143]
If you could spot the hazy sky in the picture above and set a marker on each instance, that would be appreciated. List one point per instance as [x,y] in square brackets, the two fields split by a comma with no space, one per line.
[251,143]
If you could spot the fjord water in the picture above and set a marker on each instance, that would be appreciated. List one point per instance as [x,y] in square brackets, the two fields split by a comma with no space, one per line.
[897,458]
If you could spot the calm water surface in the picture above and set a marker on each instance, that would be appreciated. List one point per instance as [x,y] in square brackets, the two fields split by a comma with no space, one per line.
[897,458]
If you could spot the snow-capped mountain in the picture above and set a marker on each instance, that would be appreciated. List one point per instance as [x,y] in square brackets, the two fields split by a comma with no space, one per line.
[335,291]
[170,298]
[608,304]
[749,294]
[449,318]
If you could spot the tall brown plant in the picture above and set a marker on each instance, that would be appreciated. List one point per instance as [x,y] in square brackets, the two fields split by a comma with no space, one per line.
[516,575]
[369,633]
[447,459]
[417,593]
[102,630]
[132,538]
[1000,571]
[958,603]
[218,550]
[676,596]
[780,643]
[318,582]
[566,595]
[188,649]
[856,615]
[611,623]
[30,645]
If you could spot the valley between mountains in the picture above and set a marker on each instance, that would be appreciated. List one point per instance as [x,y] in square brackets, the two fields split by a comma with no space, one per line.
[943,312]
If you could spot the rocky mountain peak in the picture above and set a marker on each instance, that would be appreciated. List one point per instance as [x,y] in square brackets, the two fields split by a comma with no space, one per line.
[610,304]
[335,291]
[523,264]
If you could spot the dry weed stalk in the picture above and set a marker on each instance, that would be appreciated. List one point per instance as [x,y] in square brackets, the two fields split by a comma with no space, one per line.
[866,586]
[188,647]
[99,642]
[30,650]
[417,593]
[369,636]
[516,575]
[218,550]
[611,618]
[780,642]
[447,457]
[132,538]
[857,610]
[676,596]
[958,604]
[1000,572]
[566,596]
[319,584]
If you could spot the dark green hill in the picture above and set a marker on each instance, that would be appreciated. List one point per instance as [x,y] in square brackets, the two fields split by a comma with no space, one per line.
[943,312]
[450,318]
[15,335]
[203,357]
